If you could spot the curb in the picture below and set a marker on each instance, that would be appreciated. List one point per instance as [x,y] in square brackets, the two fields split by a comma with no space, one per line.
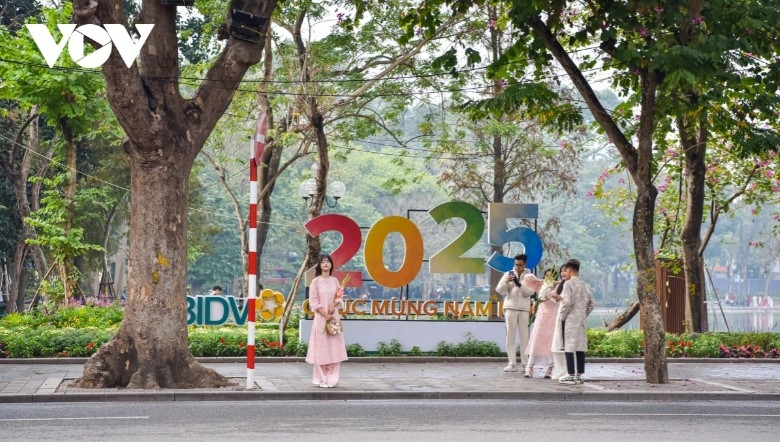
[404,360]
[254,395]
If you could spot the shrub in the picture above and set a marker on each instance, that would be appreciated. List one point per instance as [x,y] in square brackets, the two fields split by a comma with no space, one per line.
[355,350]
[394,349]
[615,344]
[470,347]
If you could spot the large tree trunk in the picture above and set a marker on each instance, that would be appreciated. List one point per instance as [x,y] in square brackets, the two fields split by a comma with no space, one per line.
[150,350]
[165,132]
[695,150]
[638,161]
[652,319]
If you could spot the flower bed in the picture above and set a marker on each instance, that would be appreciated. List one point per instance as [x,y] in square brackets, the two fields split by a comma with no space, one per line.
[80,331]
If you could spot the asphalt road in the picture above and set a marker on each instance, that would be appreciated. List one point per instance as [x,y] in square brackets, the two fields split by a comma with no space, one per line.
[414,421]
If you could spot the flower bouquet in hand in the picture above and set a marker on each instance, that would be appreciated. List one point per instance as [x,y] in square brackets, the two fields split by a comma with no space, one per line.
[340,291]
[333,326]
[543,289]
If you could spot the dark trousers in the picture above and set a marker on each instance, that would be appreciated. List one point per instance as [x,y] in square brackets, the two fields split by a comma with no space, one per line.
[570,362]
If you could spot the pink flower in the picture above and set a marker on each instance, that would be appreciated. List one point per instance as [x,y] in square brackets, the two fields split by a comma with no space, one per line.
[697,20]
[589,194]
[752,186]
[769,174]
[492,24]
[643,32]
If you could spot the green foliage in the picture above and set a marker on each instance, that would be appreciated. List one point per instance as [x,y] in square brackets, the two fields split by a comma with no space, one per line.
[67,317]
[471,347]
[51,341]
[394,349]
[355,350]
[50,220]
[80,331]
[231,341]
[623,344]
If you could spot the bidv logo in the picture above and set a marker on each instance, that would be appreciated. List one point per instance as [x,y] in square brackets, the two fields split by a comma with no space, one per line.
[107,37]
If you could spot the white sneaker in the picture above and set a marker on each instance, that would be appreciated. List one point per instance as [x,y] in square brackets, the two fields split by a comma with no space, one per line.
[510,368]
[568,380]
[578,379]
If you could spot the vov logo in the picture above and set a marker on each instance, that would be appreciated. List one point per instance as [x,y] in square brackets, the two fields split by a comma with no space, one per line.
[107,37]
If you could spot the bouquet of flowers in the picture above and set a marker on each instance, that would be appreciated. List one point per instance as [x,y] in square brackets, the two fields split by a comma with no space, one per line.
[334,327]
[547,286]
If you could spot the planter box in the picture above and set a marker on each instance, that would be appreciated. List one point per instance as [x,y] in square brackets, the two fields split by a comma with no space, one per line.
[425,334]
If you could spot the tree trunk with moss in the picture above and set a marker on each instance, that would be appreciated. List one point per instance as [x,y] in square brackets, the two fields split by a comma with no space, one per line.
[165,132]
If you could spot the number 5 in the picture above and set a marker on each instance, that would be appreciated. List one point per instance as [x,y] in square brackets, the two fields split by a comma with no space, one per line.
[498,235]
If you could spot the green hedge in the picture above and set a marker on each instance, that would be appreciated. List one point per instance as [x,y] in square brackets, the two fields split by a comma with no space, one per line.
[80,331]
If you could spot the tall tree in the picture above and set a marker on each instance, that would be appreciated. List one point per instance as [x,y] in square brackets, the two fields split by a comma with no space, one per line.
[556,31]
[165,131]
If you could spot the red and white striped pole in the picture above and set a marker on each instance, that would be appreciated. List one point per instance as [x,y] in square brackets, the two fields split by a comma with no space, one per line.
[255,157]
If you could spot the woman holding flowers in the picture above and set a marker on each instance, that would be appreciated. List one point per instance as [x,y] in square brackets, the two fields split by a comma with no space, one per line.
[326,351]
[543,318]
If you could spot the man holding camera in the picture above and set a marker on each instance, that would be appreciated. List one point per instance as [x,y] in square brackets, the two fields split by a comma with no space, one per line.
[517,303]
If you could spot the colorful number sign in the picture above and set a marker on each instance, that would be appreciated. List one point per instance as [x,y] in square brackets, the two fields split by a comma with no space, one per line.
[448,260]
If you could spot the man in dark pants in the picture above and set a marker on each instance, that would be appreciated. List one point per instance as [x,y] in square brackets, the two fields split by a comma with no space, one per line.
[576,305]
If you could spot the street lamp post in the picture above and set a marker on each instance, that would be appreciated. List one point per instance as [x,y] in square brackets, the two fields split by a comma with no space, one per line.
[307,189]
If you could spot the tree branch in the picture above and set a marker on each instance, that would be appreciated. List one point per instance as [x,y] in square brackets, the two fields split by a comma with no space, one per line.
[624,146]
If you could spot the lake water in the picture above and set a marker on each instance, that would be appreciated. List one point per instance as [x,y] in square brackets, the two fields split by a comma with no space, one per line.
[739,319]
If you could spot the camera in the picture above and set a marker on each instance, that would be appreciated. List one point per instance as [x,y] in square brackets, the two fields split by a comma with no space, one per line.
[515,280]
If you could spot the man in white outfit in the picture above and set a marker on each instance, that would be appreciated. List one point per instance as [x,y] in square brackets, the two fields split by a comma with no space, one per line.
[517,303]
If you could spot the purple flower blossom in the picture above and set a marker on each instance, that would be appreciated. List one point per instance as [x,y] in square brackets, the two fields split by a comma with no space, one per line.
[769,174]
[636,71]
[752,186]
[419,32]
[622,181]
[340,17]
[697,20]
[589,194]
[643,32]
[492,24]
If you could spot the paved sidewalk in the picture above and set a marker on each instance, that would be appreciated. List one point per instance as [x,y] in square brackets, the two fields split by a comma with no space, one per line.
[429,378]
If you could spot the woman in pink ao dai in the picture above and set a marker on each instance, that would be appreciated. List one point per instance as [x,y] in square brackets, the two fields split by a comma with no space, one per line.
[325,351]
[540,342]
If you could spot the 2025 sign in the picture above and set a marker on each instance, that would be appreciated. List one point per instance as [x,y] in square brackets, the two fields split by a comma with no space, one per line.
[450,259]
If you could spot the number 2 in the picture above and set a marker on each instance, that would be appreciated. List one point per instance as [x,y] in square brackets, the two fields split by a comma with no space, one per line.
[351,238]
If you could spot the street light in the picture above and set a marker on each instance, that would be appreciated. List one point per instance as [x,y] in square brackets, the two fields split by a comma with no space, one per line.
[307,189]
